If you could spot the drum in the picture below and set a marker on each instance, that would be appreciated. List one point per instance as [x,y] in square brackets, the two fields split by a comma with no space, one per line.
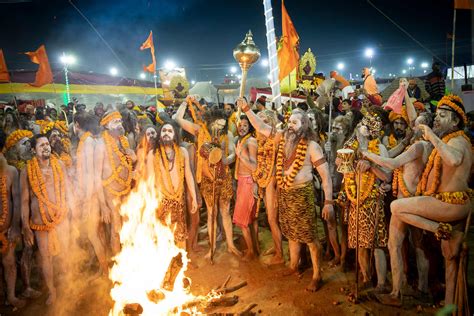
[211,152]
[347,160]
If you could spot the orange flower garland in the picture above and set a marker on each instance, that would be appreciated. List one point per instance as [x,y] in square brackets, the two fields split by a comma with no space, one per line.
[54,212]
[5,198]
[167,187]
[125,162]
[16,136]
[434,162]
[285,182]
[367,179]
[399,184]
[392,141]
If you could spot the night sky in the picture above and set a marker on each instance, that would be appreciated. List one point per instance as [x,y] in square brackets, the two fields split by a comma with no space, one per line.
[200,35]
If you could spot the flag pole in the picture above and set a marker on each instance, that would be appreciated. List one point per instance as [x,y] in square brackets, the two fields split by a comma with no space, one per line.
[452,50]
[272,54]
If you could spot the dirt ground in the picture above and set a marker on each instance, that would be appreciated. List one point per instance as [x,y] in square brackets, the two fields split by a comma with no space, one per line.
[273,294]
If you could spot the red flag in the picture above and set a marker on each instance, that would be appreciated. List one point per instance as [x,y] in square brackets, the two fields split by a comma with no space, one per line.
[288,53]
[149,44]
[44,75]
[4,75]
[464,4]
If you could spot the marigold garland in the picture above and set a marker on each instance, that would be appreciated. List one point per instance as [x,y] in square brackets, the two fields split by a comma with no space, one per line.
[56,211]
[125,162]
[446,100]
[165,182]
[399,184]
[5,198]
[285,182]
[16,136]
[392,141]
[109,117]
[368,186]
[435,163]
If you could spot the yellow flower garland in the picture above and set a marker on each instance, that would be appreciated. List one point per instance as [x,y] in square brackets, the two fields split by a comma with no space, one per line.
[16,136]
[5,198]
[55,212]
[367,180]
[392,141]
[434,162]
[167,188]
[125,162]
[285,182]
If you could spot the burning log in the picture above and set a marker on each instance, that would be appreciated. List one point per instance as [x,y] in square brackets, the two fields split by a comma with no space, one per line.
[133,309]
[174,267]
[231,289]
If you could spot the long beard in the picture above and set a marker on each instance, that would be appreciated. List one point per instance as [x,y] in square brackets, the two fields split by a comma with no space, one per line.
[118,131]
[58,147]
[399,133]
[166,142]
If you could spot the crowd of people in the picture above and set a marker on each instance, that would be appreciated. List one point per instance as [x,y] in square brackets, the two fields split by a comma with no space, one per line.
[404,170]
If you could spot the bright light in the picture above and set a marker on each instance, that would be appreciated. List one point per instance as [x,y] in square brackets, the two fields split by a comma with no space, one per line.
[390,74]
[239,76]
[264,62]
[233,69]
[369,52]
[404,71]
[113,71]
[340,66]
[410,61]
[424,71]
[68,60]
[142,76]
[167,82]
[424,65]
[373,71]
[193,82]
[210,82]
[170,65]
[269,76]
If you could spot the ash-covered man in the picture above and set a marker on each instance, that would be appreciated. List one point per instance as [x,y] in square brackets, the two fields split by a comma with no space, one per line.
[215,180]
[9,222]
[169,163]
[245,205]
[18,148]
[444,198]
[45,203]
[113,160]
[297,155]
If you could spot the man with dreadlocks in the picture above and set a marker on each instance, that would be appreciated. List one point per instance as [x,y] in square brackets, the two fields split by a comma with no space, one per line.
[443,198]
[215,179]
[297,155]
[113,177]
[9,222]
[169,163]
[367,222]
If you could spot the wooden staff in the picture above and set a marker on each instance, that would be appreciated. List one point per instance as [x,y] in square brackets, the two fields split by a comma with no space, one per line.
[213,217]
[357,236]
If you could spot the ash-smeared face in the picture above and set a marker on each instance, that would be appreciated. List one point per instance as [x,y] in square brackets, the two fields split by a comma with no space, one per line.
[150,134]
[444,121]
[244,127]
[115,127]
[294,124]
[167,134]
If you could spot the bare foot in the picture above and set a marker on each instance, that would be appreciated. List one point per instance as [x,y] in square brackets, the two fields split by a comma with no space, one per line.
[235,251]
[289,271]
[16,302]
[208,255]
[334,262]
[51,298]
[30,293]
[269,251]
[249,256]
[314,285]
[389,299]
[274,261]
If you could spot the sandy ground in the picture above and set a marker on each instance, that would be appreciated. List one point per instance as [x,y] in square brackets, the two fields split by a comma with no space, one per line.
[275,295]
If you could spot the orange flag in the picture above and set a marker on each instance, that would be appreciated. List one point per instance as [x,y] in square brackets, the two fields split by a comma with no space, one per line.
[464,4]
[288,53]
[44,75]
[149,44]
[4,75]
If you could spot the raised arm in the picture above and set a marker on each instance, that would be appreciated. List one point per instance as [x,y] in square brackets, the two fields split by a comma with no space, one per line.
[231,149]
[451,153]
[411,112]
[393,163]
[256,122]
[188,126]
[188,175]
[25,208]
[320,164]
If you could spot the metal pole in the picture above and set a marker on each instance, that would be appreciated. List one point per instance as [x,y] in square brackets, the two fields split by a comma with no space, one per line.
[272,54]
[67,84]
[452,51]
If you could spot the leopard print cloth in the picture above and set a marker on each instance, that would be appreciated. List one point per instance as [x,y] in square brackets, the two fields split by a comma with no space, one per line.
[223,190]
[297,207]
[176,211]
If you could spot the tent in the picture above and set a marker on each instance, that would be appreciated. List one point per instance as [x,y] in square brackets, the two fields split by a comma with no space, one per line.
[88,88]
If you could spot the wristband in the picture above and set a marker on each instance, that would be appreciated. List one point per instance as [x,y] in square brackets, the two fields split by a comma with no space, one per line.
[328,202]
[246,108]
